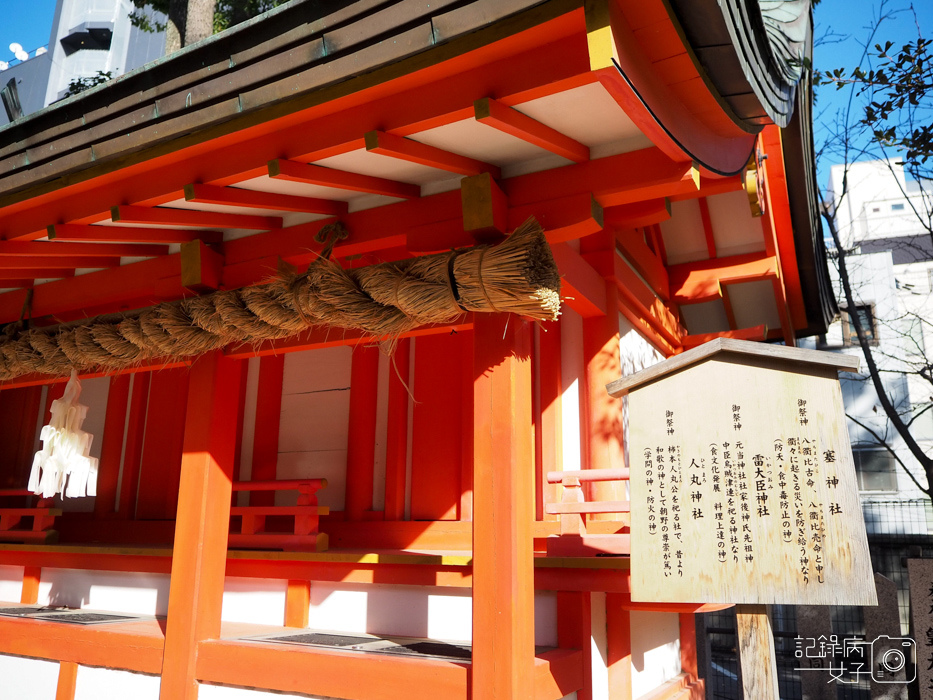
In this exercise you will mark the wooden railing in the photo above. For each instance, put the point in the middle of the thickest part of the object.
(573, 539)
(42, 515)
(306, 514)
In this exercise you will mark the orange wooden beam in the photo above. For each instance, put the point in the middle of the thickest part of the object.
(564, 219)
(201, 267)
(638, 214)
(133, 449)
(485, 207)
(583, 289)
(510, 121)
(167, 216)
(133, 646)
(701, 281)
(710, 187)
(111, 448)
(38, 249)
(330, 673)
(753, 333)
(266, 426)
(199, 554)
(574, 630)
(621, 179)
(27, 276)
(252, 199)
(503, 509)
(645, 262)
(421, 153)
(48, 262)
(310, 174)
(128, 234)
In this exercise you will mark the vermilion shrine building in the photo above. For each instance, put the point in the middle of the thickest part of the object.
(664, 147)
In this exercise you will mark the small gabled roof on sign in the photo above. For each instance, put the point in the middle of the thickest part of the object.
(765, 351)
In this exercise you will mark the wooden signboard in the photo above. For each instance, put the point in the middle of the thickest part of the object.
(742, 484)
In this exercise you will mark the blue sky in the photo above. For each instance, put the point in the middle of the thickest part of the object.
(26, 22)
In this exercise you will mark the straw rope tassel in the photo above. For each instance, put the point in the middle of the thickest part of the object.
(518, 276)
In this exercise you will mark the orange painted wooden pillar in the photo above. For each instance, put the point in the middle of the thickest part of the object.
(297, 603)
(548, 429)
(30, 592)
(67, 679)
(619, 647)
(199, 556)
(688, 644)
(397, 431)
(503, 510)
(574, 630)
(361, 436)
(604, 413)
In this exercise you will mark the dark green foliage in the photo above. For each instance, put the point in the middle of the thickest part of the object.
(81, 84)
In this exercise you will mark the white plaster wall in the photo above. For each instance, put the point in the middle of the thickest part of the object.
(412, 611)
(254, 600)
(314, 420)
(655, 650)
(572, 376)
(107, 684)
(11, 583)
(226, 692)
(114, 591)
(27, 679)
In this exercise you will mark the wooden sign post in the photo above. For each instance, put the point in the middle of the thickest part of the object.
(743, 486)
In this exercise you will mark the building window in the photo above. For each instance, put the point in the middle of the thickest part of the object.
(875, 469)
(866, 317)
(897, 207)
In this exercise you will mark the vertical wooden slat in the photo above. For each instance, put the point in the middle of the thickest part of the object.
(397, 431)
(266, 432)
(548, 437)
(503, 509)
(361, 435)
(31, 577)
(466, 427)
(436, 433)
(199, 555)
(619, 647)
(574, 611)
(161, 459)
(297, 603)
(67, 679)
(604, 413)
(132, 452)
(111, 446)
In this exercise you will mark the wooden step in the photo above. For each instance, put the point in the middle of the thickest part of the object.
(280, 540)
(30, 536)
(280, 510)
(594, 507)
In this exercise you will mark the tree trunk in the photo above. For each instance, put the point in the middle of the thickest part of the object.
(188, 21)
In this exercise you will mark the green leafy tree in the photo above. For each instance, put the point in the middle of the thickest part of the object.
(888, 116)
(188, 21)
(81, 84)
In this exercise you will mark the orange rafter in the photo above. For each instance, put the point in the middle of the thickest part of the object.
(134, 234)
(423, 154)
(583, 288)
(702, 281)
(710, 187)
(25, 262)
(645, 262)
(311, 174)
(639, 214)
(614, 180)
(707, 227)
(510, 121)
(563, 219)
(33, 273)
(251, 199)
(79, 250)
(129, 214)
